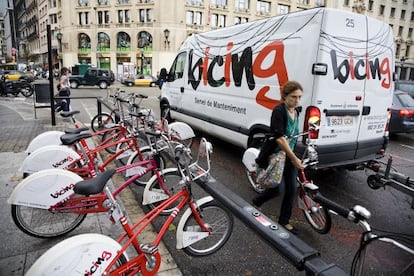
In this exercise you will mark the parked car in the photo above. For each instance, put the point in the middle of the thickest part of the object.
(402, 113)
(17, 75)
(141, 80)
(93, 76)
(406, 86)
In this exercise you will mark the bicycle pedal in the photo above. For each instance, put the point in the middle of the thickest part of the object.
(149, 248)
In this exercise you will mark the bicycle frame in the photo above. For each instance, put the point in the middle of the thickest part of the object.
(90, 155)
(184, 197)
(95, 203)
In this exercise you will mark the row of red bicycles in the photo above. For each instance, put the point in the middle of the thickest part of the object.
(67, 176)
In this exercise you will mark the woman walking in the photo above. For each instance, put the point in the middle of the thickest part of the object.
(284, 122)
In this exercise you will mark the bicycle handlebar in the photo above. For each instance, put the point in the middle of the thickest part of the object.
(331, 205)
(356, 214)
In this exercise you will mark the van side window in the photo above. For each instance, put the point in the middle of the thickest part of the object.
(177, 69)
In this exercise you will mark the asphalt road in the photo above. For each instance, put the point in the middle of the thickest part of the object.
(246, 253)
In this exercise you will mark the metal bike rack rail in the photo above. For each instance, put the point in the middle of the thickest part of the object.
(296, 251)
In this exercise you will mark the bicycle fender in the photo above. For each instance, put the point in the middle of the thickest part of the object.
(249, 158)
(44, 139)
(48, 157)
(44, 188)
(182, 129)
(186, 238)
(82, 254)
(135, 153)
(148, 196)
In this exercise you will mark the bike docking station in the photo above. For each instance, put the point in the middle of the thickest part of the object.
(390, 177)
(296, 251)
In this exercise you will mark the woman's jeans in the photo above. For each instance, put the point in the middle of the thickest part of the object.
(288, 186)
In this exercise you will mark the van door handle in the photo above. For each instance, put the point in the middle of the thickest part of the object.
(182, 89)
(366, 110)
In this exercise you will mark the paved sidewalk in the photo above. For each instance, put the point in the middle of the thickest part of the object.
(19, 251)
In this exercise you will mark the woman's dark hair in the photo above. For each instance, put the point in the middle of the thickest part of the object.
(290, 87)
(64, 70)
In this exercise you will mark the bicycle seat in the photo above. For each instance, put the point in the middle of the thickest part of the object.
(66, 114)
(69, 139)
(94, 185)
(75, 130)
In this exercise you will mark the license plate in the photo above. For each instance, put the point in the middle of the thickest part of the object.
(340, 121)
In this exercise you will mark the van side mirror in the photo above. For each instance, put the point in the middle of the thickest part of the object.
(163, 74)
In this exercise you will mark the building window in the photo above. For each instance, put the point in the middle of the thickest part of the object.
(400, 30)
(149, 15)
(242, 5)
(392, 14)
(106, 13)
(263, 7)
(194, 18)
(123, 1)
(195, 2)
(240, 20)
(381, 9)
(412, 16)
(222, 20)
(83, 2)
(346, 3)
(103, 2)
(370, 5)
(100, 17)
(120, 16)
(306, 2)
(83, 18)
(282, 9)
(189, 18)
(218, 20)
(410, 34)
(145, 15)
(219, 3)
(320, 3)
(407, 50)
(127, 16)
(402, 15)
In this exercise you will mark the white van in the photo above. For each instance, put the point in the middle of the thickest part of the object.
(227, 81)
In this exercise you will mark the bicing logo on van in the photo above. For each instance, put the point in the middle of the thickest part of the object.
(270, 63)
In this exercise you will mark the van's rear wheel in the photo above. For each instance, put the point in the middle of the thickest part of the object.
(255, 143)
(165, 112)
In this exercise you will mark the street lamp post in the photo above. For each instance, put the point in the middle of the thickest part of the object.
(15, 46)
(59, 37)
(142, 60)
(166, 36)
(402, 73)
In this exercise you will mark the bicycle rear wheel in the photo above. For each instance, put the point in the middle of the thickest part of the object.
(42, 223)
(100, 121)
(171, 182)
(251, 177)
(316, 215)
(219, 220)
(146, 155)
(116, 136)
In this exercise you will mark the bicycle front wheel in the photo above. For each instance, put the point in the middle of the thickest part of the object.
(317, 216)
(42, 223)
(100, 121)
(219, 220)
(251, 177)
(146, 155)
(168, 187)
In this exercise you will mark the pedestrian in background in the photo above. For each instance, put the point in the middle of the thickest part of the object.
(284, 122)
(65, 88)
